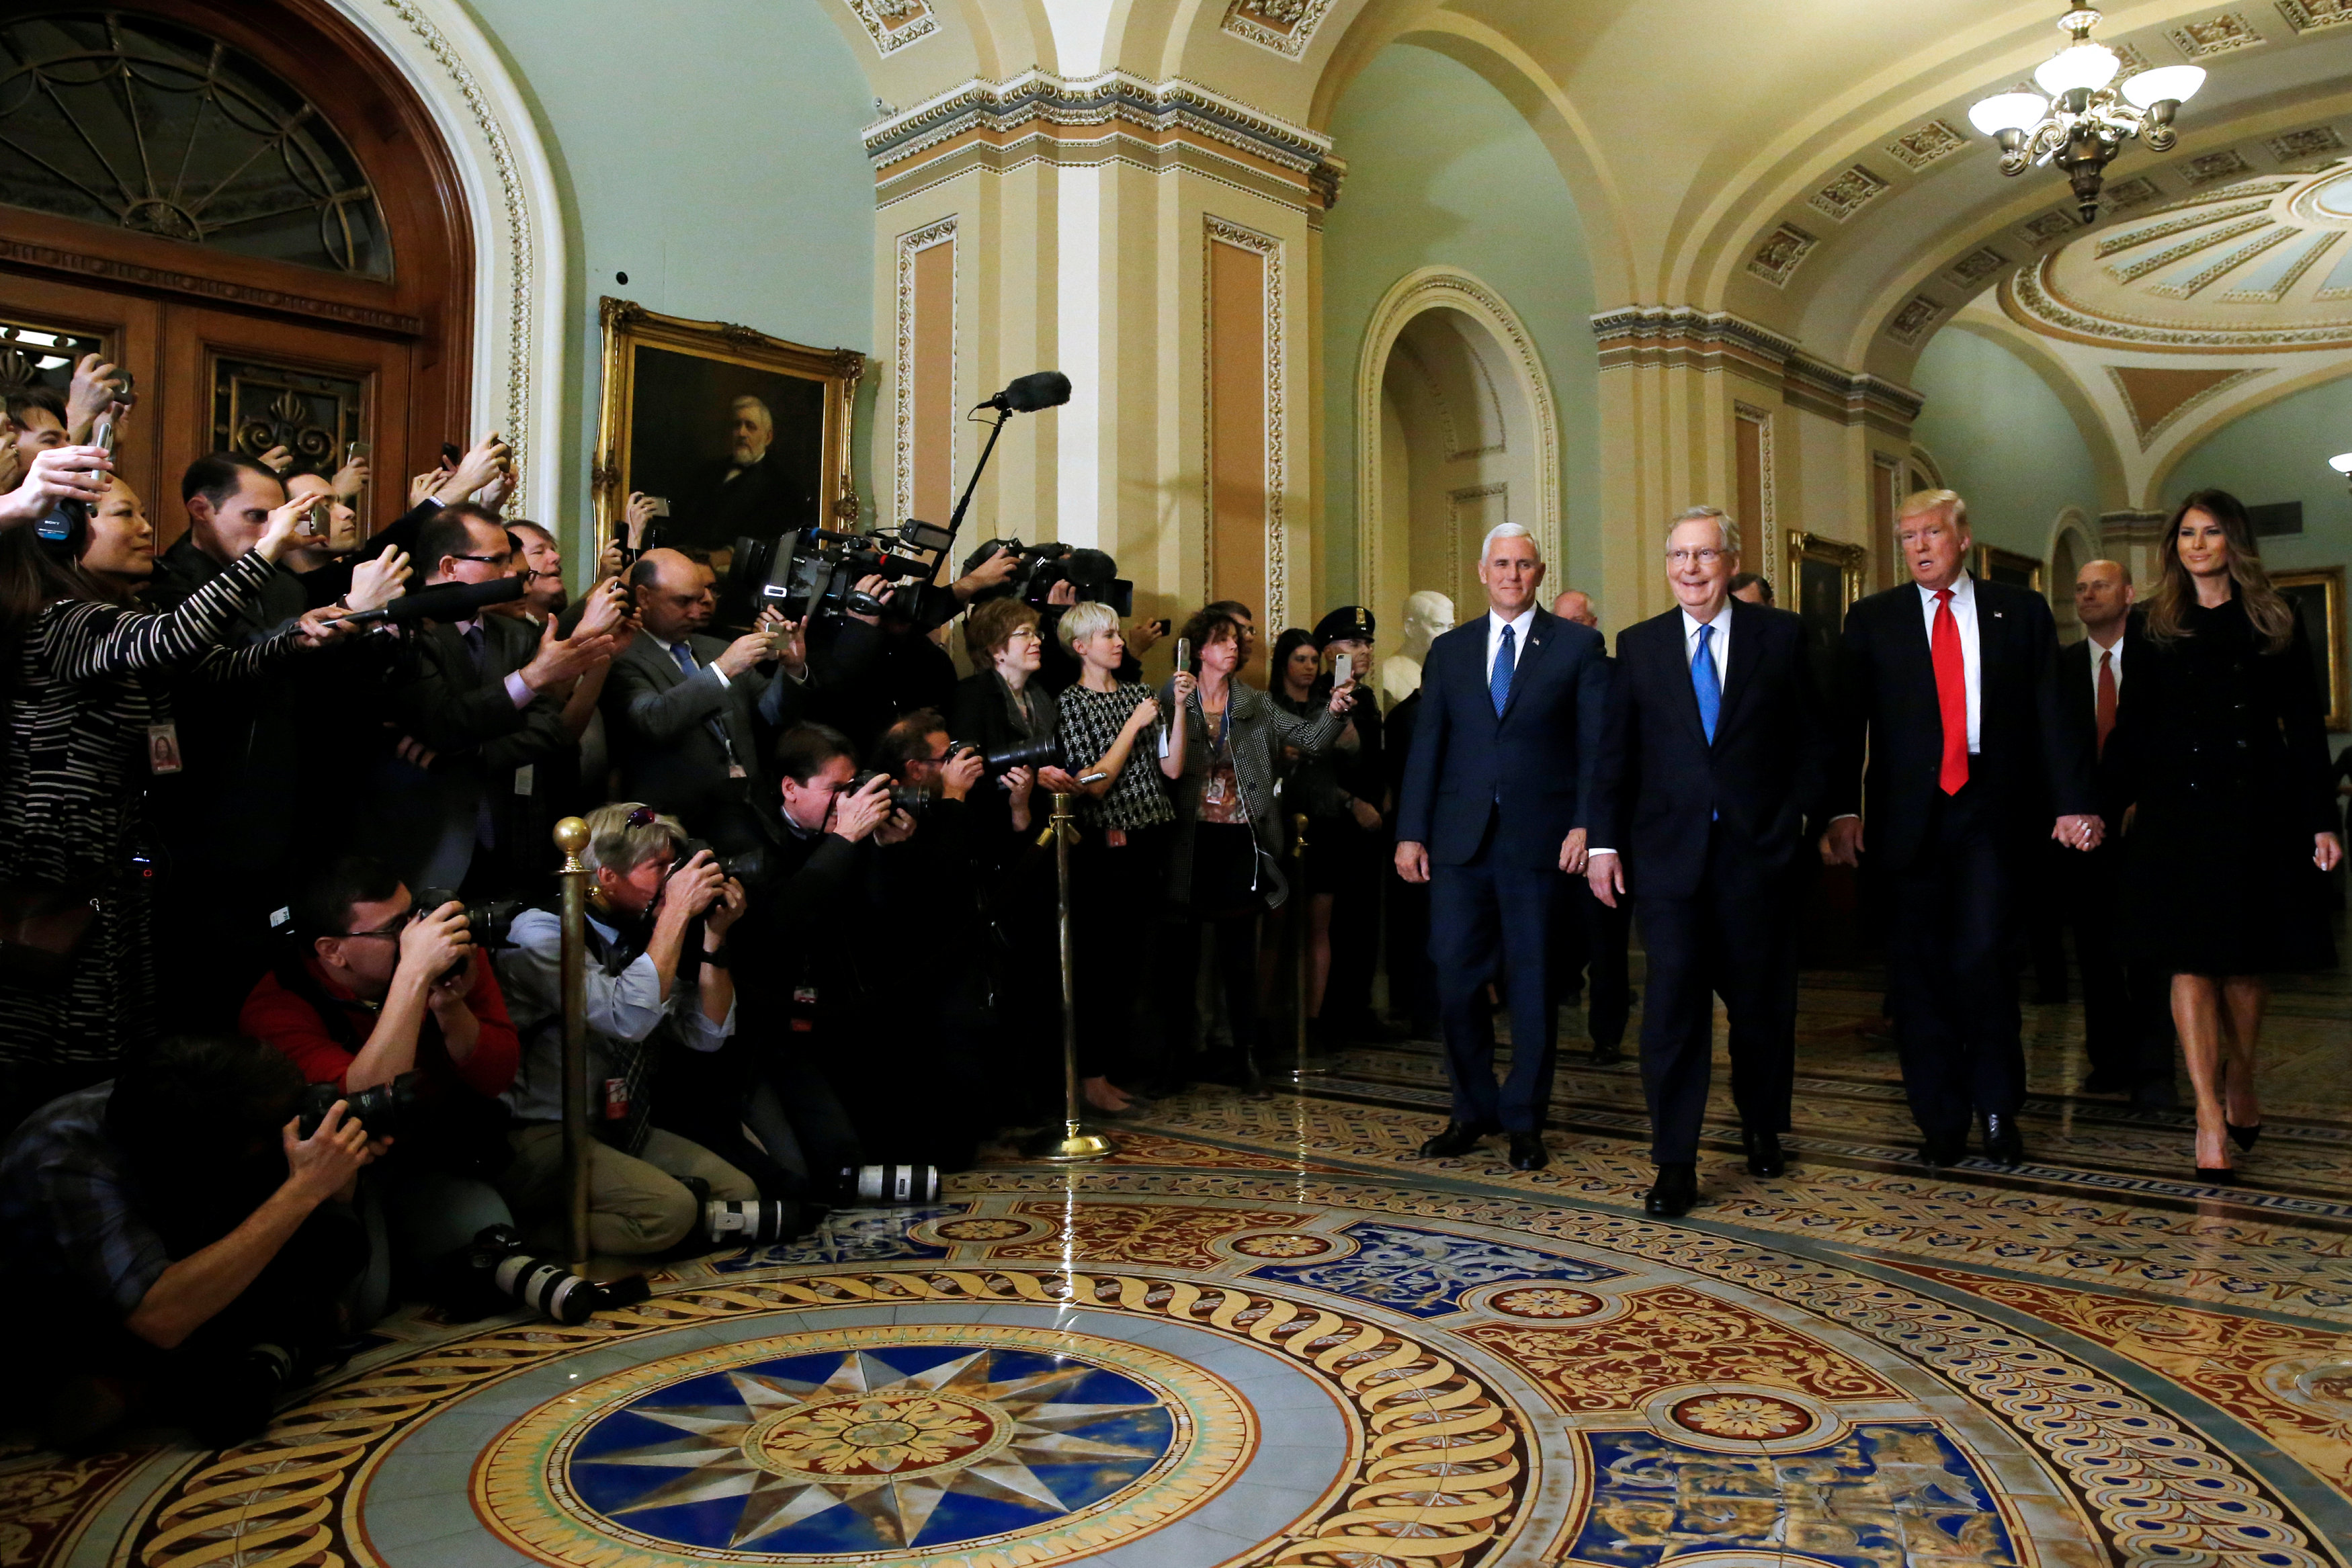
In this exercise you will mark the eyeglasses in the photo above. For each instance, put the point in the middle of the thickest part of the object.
(390, 933)
(1021, 632)
(498, 561)
(1707, 557)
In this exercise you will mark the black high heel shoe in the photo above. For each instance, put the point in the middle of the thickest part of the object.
(2217, 1176)
(2242, 1136)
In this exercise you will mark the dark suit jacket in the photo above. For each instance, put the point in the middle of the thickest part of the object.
(484, 740)
(2030, 764)
(1660, 786)
(2078, 700)
(659, 725)
(1533, 765)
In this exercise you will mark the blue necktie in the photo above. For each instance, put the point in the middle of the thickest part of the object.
(1703, 682)
(684, 657)
(1498, 683)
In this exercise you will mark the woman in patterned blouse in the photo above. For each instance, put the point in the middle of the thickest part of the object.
(90, 721)
(1117, 869)
(1223, 756)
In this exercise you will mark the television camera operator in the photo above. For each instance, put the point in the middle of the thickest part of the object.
(177, 1244)
(374, 993)
(648, 996)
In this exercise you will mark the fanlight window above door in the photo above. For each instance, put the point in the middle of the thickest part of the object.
(127, 120)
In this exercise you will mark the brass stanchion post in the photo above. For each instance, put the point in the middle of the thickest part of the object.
(571, 837)
(1302, 920)
(1073, 1140)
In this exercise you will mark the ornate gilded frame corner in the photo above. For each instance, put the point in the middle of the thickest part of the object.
(2336, 689)
(627, 325)
(1802, 547)
(1993, 564)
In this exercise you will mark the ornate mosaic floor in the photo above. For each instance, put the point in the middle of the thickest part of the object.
(1265, 1335)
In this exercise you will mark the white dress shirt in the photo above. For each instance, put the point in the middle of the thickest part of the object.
(2114, 657)
(1520, 626)
(1964, 614)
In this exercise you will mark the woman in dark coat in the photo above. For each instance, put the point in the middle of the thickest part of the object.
(2219, 752)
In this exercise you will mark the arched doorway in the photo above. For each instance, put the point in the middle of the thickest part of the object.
(1456, 433)
(2073, 545)
(247, 207)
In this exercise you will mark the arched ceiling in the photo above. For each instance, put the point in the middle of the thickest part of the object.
(1805, 165)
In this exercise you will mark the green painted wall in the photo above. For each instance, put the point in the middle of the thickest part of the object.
(2003, 441)
(2280, 454)
(710, 151)
(1443, 171)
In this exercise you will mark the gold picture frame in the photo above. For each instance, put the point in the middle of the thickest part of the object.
(670, 388)
(2317, 594)
(1827, 556)
(1992, 564)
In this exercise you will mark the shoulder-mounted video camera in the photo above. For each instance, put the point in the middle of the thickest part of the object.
(1092, 572)
(814, 574)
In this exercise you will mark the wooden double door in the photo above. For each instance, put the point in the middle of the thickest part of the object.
(218, 381)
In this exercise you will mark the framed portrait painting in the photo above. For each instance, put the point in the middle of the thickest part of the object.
(742, 435)
(1824, 579)
(2317, 595)
(1992, 564)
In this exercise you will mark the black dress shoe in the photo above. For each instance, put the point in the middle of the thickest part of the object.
(1764, 1155)
(1458, 1138)
(1672, 1195)
(1943, 1148)
(1527, 1152)
(2003, 1143)
(1607, 1056)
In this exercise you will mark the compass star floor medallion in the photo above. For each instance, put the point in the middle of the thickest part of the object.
(867, 1445)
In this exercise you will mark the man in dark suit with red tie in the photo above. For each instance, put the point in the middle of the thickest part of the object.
(1949, 686)
(2126, 1009)
(1713, 755)
(1492, 812)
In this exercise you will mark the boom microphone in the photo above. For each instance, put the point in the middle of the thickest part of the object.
(441, 601)
(1027, 394)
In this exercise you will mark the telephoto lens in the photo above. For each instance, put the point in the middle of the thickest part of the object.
(749, 1222)
(862, 1185)
(379, 1108)
(549, 1289)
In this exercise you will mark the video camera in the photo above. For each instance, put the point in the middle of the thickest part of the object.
(380, 1109)
(814, 573)
(1092, 572)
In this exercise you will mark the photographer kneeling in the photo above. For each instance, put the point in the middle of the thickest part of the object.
(382, 990)
(173, 1233)
(647, 995)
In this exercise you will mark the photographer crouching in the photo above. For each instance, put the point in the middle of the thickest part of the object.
(178, 1242)
(386, 996)
(648, 996)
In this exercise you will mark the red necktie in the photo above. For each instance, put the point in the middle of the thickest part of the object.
(2106, 697)
(1952, 694)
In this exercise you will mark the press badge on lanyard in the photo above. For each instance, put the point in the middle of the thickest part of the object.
(617, 1099)
(164, 747)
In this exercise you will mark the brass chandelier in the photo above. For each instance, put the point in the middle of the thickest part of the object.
(2087, 117)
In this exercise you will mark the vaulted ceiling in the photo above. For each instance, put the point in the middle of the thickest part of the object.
(1806, 164)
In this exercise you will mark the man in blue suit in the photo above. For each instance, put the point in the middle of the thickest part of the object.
(1495, 792)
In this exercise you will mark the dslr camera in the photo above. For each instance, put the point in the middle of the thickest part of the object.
(1093, 572)
(912, 798)
(747, 868)
(380, 1109)
(814, 573)
(487, 921)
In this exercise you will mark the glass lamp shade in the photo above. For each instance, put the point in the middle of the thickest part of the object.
(2008, 111)
(2084, 65)
(2179, 83)
(2341, 463)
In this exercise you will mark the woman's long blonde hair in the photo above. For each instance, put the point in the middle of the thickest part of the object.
(2271, 616)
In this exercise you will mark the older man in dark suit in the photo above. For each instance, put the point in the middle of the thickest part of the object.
(1949, 686)
(1495, 792)
(2127, 1014)
(1713, 754)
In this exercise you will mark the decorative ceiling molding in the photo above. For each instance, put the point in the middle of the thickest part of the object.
(2126, 194)
(2026, 296)
(1286, 27)
(2042, 229)
(1911, 323)
(1917, 148)
(2214, 271)
(2313, 16)
(2140, 266)
(1115, 118)
(2280, 288)
(1975, 267)
(894, 23)
(1776, 259)
(2220, 35)
(2157, 397)
(2297, 145)
(1847, 194)
(2125, 239)
(2212, 166)
(1635, 336)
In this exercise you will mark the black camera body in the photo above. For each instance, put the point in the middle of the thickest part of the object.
(489, 922)
(747, 867)
(814, 573)
(380, 1109)
(912, 798)
(1092, 572)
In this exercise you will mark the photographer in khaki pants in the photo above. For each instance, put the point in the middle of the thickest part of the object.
(647, 995)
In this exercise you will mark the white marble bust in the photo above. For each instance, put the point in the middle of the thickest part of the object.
(1428, 614)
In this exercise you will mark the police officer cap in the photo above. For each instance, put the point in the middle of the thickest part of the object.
(1348, 621)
